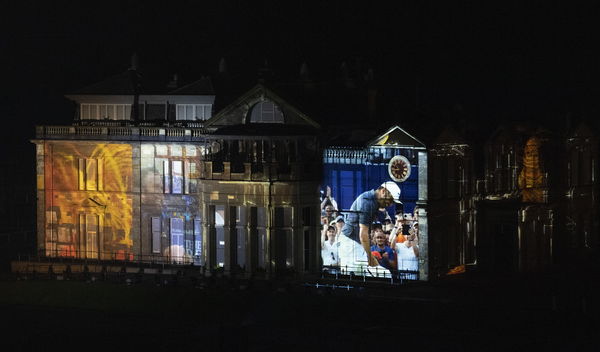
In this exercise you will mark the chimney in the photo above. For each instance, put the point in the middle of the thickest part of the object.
(222, 66)
(135, 79)
(265, 73)
(305, 77)
(134, 62)
(174, 82)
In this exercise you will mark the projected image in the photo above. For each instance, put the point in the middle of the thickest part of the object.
(531, 179)
(88, 210)
(369, 222)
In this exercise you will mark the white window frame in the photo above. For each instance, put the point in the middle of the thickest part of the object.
(90, 174)
(156, 231)
(90, 225)
(193, 112)
(94, 111)
(174, 176)
(259, 113)
(177, 239)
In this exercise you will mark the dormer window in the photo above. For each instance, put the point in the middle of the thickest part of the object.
(193, 111)
(105, 111)
(266, 112)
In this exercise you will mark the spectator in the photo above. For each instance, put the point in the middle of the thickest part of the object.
(383, 253)
(408, 254)
(329, 246)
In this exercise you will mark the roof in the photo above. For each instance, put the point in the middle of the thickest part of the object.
(266, 129)
(124, 83)
(236, 112)
(133, 82)
(203, 86)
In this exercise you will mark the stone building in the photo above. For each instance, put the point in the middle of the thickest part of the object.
(155, 177)
(158, 174)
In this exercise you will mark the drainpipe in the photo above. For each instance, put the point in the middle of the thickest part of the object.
(270, 220)
(140, 205)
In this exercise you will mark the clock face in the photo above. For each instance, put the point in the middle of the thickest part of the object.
(399, 168)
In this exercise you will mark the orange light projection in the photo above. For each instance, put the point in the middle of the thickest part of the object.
(531, 177)
(460, 269)
(88, 202)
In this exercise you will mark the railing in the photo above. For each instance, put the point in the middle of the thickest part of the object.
(105, 123)
(120, 131)
(175, 132)
(197, 133)
(90, 130)
(124, 123)
(344, 156)
(149, 131)
(59, 130)
(407, 272)
(127, 132)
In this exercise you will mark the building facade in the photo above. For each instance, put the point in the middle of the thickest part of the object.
(160, 176)
(233, 191)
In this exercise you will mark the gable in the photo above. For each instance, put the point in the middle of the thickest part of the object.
(396, 137)
(240, 111)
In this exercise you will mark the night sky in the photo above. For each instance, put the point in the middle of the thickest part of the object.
(506, 61)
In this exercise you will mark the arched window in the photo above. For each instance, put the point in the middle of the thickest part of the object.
(266, 112)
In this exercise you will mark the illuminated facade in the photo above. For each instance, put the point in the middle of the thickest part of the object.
(162, 177)
(394, 156)
(234, 191)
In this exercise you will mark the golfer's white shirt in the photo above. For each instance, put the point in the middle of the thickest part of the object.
(353, 258)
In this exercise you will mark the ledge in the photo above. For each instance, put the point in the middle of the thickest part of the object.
(122, 133)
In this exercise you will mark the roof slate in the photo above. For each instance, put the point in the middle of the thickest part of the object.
(124, 83)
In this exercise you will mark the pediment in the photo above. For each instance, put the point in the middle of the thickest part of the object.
(238, 112)
(396, 137)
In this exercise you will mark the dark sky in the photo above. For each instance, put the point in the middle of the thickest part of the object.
(504, 60)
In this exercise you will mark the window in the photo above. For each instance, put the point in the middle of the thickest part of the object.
(177, 252)
(193, 111)
(51, 231)
(90, 174)
(155, 228)
(88, 230)
(258, 227)
(308, 220)
(198, 257)
(105, 111)
(220, 234)
(177, 176)
(241, 230)
(193, 174)
(173, 176)
(266, 112)
(283, 232)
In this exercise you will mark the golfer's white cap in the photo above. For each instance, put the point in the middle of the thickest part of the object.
(393, 188)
